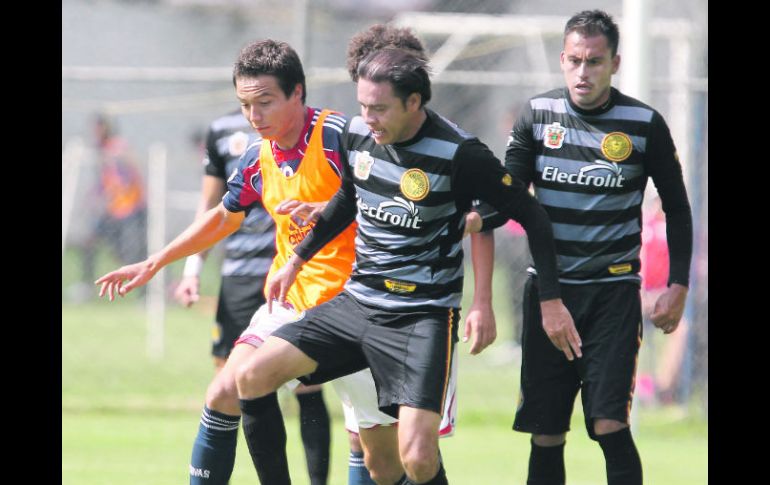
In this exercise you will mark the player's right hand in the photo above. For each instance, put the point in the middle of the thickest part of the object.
(560, 328)
(278, 285)
(186, 292)
(138, 274)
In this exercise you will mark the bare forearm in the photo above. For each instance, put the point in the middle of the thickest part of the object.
(208, 229)
(483, 259)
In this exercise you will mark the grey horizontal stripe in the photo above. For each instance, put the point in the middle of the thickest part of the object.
(434, 147)
(572, 200)
(417, 273)
(575, 232)
(631, 113)
(557, 105)
(246, 267)
(391, 172)
(392, 300)
(568, 264)
(587, 139)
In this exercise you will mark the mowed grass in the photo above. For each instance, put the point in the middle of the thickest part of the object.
(129, 420)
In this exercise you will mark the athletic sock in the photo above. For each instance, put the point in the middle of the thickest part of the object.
(357, 472)
(213, 453)
(546, 465)
(266, 436)
(624, 467)
(316, 435)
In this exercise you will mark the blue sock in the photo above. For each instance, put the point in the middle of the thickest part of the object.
(213, 453)
(357, 472)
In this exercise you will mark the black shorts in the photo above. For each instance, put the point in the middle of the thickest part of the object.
(608, 318)
(409, 353)
(239, 298)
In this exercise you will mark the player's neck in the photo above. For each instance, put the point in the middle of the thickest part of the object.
(289, 140)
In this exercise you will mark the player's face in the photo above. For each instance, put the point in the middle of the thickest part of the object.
(385, 114)
(269, 111)
(588, 66)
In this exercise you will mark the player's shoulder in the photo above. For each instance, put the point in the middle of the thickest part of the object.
(333, 123)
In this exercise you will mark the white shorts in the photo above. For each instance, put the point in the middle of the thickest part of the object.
(356, 391)
(363, 383)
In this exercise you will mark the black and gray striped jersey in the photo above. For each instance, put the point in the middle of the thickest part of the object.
(409, 200)
(249, 251)
(589, 170)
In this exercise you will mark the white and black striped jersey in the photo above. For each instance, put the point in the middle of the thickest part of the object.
(249, 251)
(589, 170)
(409, 200)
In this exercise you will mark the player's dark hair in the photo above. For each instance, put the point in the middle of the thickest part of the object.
(589, 23)
(376, 37)
(272, 58)
(403, 69)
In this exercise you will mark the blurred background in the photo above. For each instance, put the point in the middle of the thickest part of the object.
(141, 81)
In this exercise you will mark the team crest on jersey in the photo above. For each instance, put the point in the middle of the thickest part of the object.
(554, 135)
(415, 184)
(507, 179)
(237, 143)
(616, 146)
(363, 166)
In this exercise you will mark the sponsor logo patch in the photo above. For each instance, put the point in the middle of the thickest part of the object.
(620, 268)
(554, 135)
(415, 184)
(399, 286)
(616, 146)
(363, 165)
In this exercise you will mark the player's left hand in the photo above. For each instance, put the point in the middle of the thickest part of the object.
(480, 327)
(302, 213)
(669, 308)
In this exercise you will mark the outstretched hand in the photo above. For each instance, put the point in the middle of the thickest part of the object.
(137, 274)
(302, 213)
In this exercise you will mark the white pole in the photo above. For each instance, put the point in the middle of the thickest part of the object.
(70, 167)
(634, 42)
(156, 228)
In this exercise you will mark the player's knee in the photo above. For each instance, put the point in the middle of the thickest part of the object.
(383, 468)
(251, 383)
(607, 426)
(222, 394)
(546, 440)
(420, 462)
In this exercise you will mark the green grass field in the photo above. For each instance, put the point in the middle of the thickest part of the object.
(128, 420)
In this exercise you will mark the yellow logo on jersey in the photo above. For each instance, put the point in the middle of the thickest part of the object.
(399, 286)
(616, 146)
(620, 268)
(415, 184)
(507, 179)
